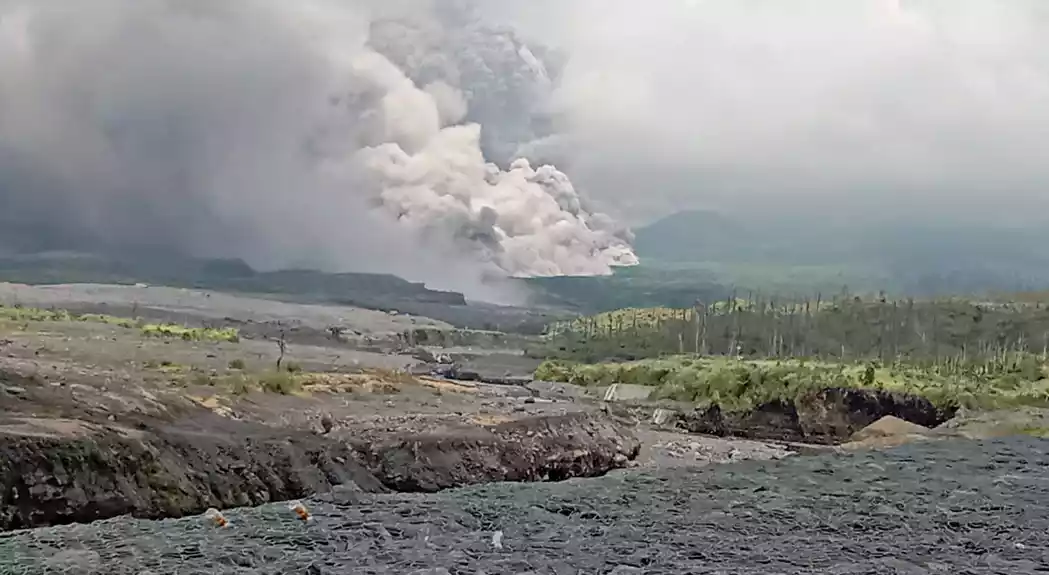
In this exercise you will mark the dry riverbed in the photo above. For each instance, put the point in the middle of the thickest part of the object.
(211, 422)
(100, 419)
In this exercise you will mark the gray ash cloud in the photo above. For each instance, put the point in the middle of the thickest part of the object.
(334, 134)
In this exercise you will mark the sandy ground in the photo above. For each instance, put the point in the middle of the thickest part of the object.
(90, 370)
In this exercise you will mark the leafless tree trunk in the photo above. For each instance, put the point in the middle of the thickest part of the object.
(282, 345)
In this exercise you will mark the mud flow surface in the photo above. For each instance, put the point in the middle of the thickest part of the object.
(946, 507)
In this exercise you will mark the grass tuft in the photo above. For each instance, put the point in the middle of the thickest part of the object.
(184, 333)
(21, 314)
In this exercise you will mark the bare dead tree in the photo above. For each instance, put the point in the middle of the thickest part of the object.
(282, 345)
(696, 308)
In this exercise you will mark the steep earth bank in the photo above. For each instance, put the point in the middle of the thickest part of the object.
(56, 471)
(548, 448)
(825, 417)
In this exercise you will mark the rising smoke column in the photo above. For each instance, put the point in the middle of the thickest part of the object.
(506, 81)
(271, 131)
(428, 172)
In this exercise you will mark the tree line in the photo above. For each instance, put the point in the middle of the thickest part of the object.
(953, 333)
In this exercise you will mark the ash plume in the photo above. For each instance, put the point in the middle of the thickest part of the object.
(323, 133)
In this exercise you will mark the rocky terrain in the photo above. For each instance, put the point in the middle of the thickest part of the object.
(117, 447)
(977, 508)
(99, 420)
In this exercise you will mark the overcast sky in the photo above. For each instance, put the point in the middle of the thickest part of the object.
(943, 105)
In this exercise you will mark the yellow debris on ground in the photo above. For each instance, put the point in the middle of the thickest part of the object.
(216, 517)
(213, 403)
(888, 431)
(300, 510)
(375, 381)
(445, 385)
(487, 419)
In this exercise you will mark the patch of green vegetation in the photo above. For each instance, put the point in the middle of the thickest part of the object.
(24, 314)
(741, 385)
(184, 333)
(108, 319)
(237, 364)
(842, 327)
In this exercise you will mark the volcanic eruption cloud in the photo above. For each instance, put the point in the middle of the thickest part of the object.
(327, 133)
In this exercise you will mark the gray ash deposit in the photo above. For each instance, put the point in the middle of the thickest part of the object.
(948, 507)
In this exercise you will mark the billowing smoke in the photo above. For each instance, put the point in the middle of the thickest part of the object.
(507, 81)
(328, 133)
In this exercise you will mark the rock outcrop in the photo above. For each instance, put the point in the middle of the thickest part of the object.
(531, 449)
(827, 416)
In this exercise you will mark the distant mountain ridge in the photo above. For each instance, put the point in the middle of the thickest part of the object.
(918, 257)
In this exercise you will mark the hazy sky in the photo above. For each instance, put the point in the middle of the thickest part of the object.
(301, 132)
(943, 105)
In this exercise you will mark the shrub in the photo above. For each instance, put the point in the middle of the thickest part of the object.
(735, 384)
(279, 382)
